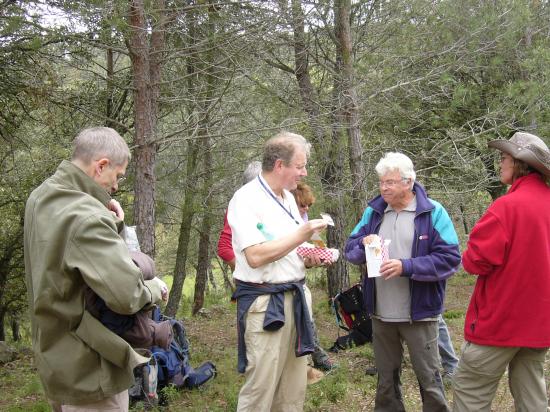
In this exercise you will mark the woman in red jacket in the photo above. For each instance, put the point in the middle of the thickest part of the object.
(508, 319)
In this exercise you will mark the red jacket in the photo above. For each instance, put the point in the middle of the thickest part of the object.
(509, 248)
(225, 247)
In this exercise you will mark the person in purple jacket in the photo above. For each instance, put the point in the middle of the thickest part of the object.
(406, 300)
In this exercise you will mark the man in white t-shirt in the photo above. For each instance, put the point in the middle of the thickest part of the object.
(274, 305)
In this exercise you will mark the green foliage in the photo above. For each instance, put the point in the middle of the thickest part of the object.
(40, 406)
(170, 393)
(454, 314)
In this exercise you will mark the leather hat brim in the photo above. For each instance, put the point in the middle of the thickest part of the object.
(520, 153)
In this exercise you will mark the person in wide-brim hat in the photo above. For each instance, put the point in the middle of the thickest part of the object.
(508, 252)
(529, 150)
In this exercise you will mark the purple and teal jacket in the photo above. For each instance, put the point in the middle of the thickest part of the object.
(435, 254)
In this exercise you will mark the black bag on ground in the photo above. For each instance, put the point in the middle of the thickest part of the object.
(352, 317)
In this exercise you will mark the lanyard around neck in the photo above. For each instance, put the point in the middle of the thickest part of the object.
(268, 190)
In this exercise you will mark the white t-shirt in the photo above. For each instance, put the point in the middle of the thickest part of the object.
(253, 204)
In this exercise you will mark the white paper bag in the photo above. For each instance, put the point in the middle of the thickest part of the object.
(129, 235)
(376, 253)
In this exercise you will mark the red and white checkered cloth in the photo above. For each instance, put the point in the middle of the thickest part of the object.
(324, 253)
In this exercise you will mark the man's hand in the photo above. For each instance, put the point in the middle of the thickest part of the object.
(313, 226)
(391, 268)
(313, 261)
(163, 288)
(115, 207)
(367, 240)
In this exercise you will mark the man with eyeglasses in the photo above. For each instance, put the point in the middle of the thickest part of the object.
(72, 243)
(406, 300)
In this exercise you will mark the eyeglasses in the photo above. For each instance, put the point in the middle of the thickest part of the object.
(120, 179)
(306, 205)
(391, 183)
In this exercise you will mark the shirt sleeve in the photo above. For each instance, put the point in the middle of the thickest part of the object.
(487, 246)
(354, 250)
(225, 247)
(443, 259)
(243, 221)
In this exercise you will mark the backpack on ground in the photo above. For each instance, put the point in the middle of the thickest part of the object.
(352, 317)
(169, 366)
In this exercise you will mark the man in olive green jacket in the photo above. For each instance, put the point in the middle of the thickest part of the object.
(72, 241)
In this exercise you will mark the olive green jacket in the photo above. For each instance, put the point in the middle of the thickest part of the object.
(72, 240)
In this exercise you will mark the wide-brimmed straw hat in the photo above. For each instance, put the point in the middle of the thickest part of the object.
(528, 148)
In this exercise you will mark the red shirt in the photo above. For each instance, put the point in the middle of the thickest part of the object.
(225, 247)
(509, 248)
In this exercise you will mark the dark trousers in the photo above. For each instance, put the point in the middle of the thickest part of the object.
(421, 340)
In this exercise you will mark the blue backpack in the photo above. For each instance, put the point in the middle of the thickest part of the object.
(173, 363)
(169, 366)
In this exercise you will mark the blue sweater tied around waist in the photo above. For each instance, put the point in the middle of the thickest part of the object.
(246, 293)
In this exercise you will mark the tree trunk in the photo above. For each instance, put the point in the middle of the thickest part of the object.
(204, 262)
(463, 217)
(189, 208)
(15, 329)
(203, 266)
(333, 184)
(8, 253)
(348, 107)
(146, 54)
(2, 328)
(109, 110)
(226, 272)
(212, 279)
(187, 215)
(332, 172)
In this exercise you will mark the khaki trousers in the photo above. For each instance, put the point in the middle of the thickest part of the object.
(118, 403)
(479, 372)
(275, 378)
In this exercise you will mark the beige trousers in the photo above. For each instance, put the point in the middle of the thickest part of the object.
(275, 378)
(118, 403)
(479, 372)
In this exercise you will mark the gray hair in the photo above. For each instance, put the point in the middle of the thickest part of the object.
(283, 146)
(252, 170)
(394, 161)
(98, 142)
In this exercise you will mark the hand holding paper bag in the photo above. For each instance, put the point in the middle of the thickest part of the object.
(376, 252)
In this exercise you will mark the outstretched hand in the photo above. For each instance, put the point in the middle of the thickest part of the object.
(313, 226)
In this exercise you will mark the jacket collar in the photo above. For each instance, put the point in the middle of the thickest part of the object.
(422, 202)
(528, 180)
(71, 175)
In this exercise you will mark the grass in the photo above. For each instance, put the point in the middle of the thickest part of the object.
(213, 337)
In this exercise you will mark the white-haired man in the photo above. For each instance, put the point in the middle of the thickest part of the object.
(273, 303)
(406, 300)
(72, 242)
